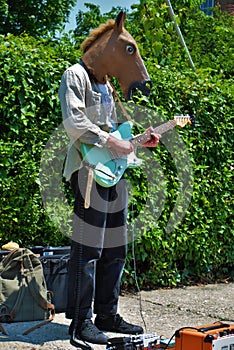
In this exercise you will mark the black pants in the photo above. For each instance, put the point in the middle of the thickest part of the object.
(98, 249)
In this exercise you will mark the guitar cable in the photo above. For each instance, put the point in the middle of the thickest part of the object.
(133, 229)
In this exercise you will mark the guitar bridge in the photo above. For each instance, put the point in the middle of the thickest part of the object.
(109, 175)
(94, 167)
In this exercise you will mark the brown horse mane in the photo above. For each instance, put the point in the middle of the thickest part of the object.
(97, 33)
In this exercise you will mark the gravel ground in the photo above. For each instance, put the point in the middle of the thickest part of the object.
(164, 311)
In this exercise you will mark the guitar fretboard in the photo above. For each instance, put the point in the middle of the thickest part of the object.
(142, 138)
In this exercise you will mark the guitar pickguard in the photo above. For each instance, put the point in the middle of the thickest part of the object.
(107, 169)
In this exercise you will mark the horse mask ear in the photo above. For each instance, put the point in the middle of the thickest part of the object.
(119, 21)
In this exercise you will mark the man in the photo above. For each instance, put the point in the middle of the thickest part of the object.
(99, 240)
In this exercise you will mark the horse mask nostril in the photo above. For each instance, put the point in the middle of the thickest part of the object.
(144, 87)
(148, 84)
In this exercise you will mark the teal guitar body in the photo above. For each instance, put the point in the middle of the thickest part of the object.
(109, 168)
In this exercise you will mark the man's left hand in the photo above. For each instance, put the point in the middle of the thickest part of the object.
(153, 142)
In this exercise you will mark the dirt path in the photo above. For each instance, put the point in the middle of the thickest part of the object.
(164, 311)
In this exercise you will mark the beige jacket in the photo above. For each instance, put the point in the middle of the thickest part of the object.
(84, 115)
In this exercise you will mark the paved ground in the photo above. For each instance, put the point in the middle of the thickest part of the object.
(164, 311)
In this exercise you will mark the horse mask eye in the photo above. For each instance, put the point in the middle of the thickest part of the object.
(130, 49)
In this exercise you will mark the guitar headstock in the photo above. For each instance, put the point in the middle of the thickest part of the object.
(183, 120)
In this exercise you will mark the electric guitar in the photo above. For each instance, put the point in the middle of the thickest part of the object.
(108, 166)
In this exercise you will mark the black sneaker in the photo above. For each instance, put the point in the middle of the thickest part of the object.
(115, 323)
(87, 331)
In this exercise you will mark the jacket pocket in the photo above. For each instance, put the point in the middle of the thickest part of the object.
(94, 106)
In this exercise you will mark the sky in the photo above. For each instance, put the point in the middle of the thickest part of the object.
(105, 6)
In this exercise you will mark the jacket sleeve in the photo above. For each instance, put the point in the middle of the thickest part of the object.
(77, 117)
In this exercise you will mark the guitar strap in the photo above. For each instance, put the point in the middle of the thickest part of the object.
(127, 115)
(88, 188)
(121, 104)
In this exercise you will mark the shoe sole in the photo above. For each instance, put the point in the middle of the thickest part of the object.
(88, 340)
(96, 342)
(78, 343)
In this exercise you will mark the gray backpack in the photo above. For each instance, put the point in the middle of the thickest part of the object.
(23, 292)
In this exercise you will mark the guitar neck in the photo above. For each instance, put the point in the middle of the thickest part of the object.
(161, 129)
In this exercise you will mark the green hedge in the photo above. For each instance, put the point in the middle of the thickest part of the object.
(30, 72)
(201, 246)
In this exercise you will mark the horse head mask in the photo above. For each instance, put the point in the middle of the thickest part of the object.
(110, 51)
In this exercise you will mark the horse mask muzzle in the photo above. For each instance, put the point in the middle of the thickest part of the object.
(145, 87)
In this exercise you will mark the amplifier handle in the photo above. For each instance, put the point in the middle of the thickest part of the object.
(205, 329)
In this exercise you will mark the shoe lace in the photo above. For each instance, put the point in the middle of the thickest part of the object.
(91, 327)
(119, 320)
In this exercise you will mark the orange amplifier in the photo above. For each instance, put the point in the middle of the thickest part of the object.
(216, 336)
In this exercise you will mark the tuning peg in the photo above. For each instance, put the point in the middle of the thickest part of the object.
(192, 118)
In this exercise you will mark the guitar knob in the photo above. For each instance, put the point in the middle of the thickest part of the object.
(120, 167)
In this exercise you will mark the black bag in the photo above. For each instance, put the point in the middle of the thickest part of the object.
(55, 269)
(3, 254)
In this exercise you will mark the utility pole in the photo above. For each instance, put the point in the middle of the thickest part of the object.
(173, 17)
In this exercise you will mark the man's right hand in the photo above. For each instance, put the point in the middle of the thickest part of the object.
(121, 147)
